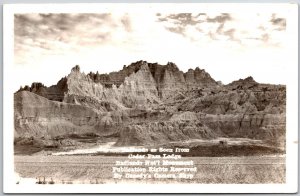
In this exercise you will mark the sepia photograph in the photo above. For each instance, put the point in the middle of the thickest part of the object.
(151, 95)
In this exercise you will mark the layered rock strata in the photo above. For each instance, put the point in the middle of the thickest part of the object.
(147, 103)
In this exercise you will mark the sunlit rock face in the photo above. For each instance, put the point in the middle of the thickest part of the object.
(148, 103)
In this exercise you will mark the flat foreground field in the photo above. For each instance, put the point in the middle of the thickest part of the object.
(98, 169)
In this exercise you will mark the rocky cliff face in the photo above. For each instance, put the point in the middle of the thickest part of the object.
(167, 78)
(55, 92)
(36, 116)
(147, 103)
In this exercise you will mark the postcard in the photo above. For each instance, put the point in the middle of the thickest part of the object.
(150, 98)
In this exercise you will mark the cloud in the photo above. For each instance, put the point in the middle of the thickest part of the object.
(64, 28)
(54, 33)
(184, 19)
(225, 26)
(36, 24)
(178, 23)
(126, 23)
(230, 34)
(212, 35)
(179, 30)
(271, 32)
(220, 19)
(278, 22)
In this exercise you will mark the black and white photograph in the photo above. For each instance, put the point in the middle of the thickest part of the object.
(151, 95)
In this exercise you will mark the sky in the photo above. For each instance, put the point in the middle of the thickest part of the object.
(229, 46)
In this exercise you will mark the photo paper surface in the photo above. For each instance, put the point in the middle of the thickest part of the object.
(150, 98)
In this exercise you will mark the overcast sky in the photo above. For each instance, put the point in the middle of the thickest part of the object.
(229, 46)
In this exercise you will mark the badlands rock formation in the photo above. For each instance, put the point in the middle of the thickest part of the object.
(149, 104)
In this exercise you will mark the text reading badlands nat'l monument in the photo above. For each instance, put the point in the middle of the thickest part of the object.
(151, 105)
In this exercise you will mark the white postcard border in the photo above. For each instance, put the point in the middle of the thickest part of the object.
(291, 185)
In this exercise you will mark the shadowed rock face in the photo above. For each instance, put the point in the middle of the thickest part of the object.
(55, 92)
(168, 78)
(147, 103)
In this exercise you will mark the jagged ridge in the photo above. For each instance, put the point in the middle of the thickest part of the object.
(168, 78)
